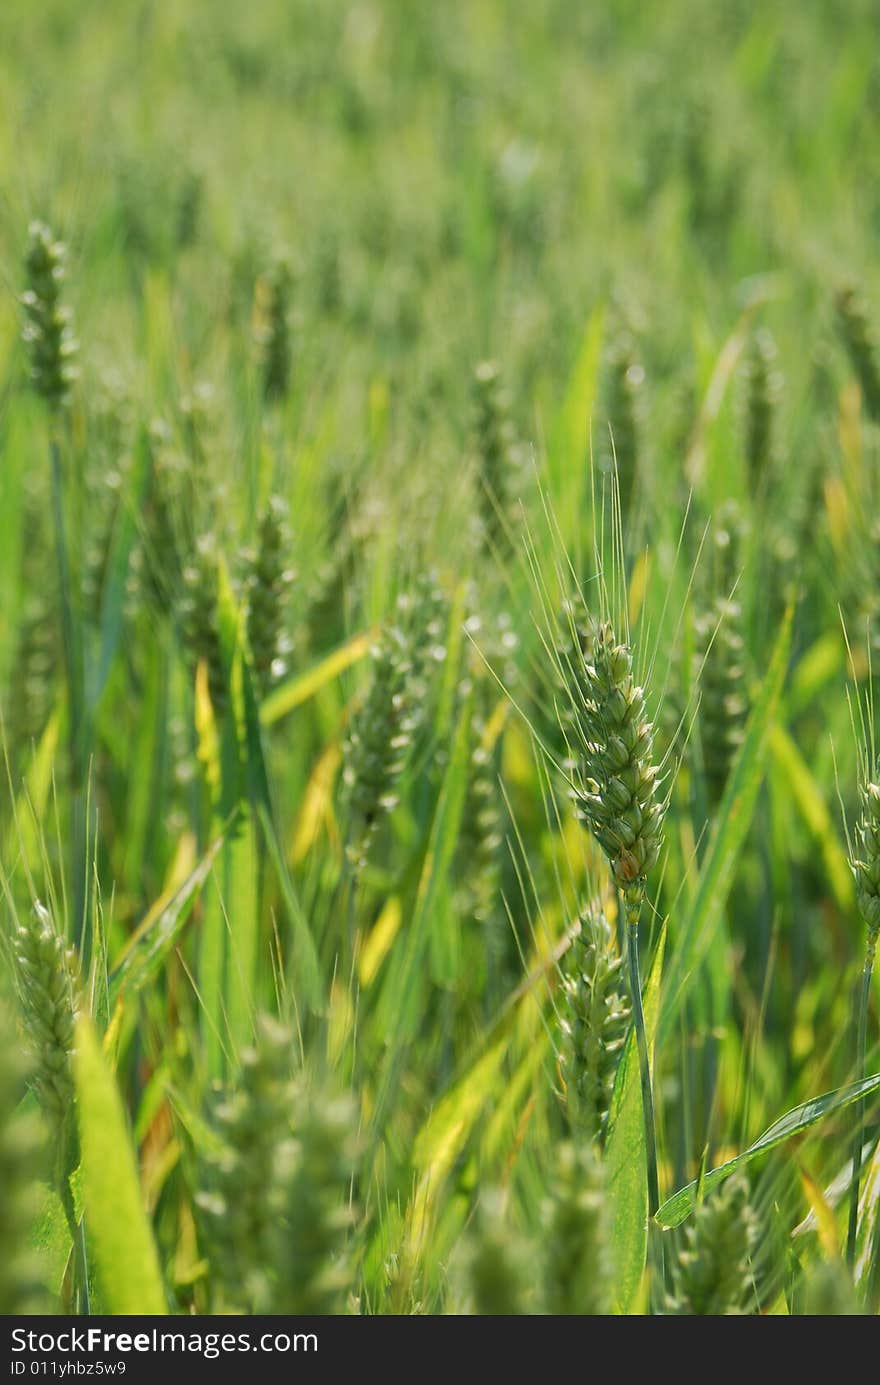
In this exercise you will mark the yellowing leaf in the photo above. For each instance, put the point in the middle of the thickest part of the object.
(317, 803)
(815, 813)
(299, 690)
(381, 936)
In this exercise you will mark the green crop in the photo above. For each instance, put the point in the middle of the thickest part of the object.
(440, 825)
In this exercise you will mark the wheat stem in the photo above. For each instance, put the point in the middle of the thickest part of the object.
(633, 904)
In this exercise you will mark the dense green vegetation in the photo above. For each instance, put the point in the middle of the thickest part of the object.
(438, 469)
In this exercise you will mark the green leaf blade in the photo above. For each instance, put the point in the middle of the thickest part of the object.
(676, 1208)
(118, 1230)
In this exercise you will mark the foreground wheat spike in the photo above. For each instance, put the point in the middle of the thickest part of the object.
(594, 1016)
(21, 1146)
(720, 661)
(763, 384)
(497, 1260)
(244, 1198)
(274, 336)
(201, 581)
(616, 780)
(48, 330)
(713, 1272)
(577, 1269)
(495, 449)
(316, 1271)
(616, 794)
(865, 864)
(268, 582)
(378, 743)
(48, 986)
(861, 346)
(624, 381)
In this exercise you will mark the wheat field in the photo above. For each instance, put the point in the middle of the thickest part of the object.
(440, 828)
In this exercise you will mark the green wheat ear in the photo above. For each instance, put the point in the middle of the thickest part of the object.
(497, 1260)
(244, 1184)
(866, 859)
(763, 390)
(481, 831)
(713, 1272)
(201, 586)
(719, 671)
(577, 1270)
(274, 336)
(48, 330)
(594, 1016)
(21, 1149)
(861, 346)
(616, 781)
(496, 452)
(378, 744)
(268, 581)
(166, 524)
(615, 787)
(316, 1270)
(47, 974)
(38, 653)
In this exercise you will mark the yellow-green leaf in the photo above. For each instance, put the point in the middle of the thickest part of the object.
(119, 1234)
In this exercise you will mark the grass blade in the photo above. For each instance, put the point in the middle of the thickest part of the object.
(681, 1204)
(625, 1167)
(118, 1230)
